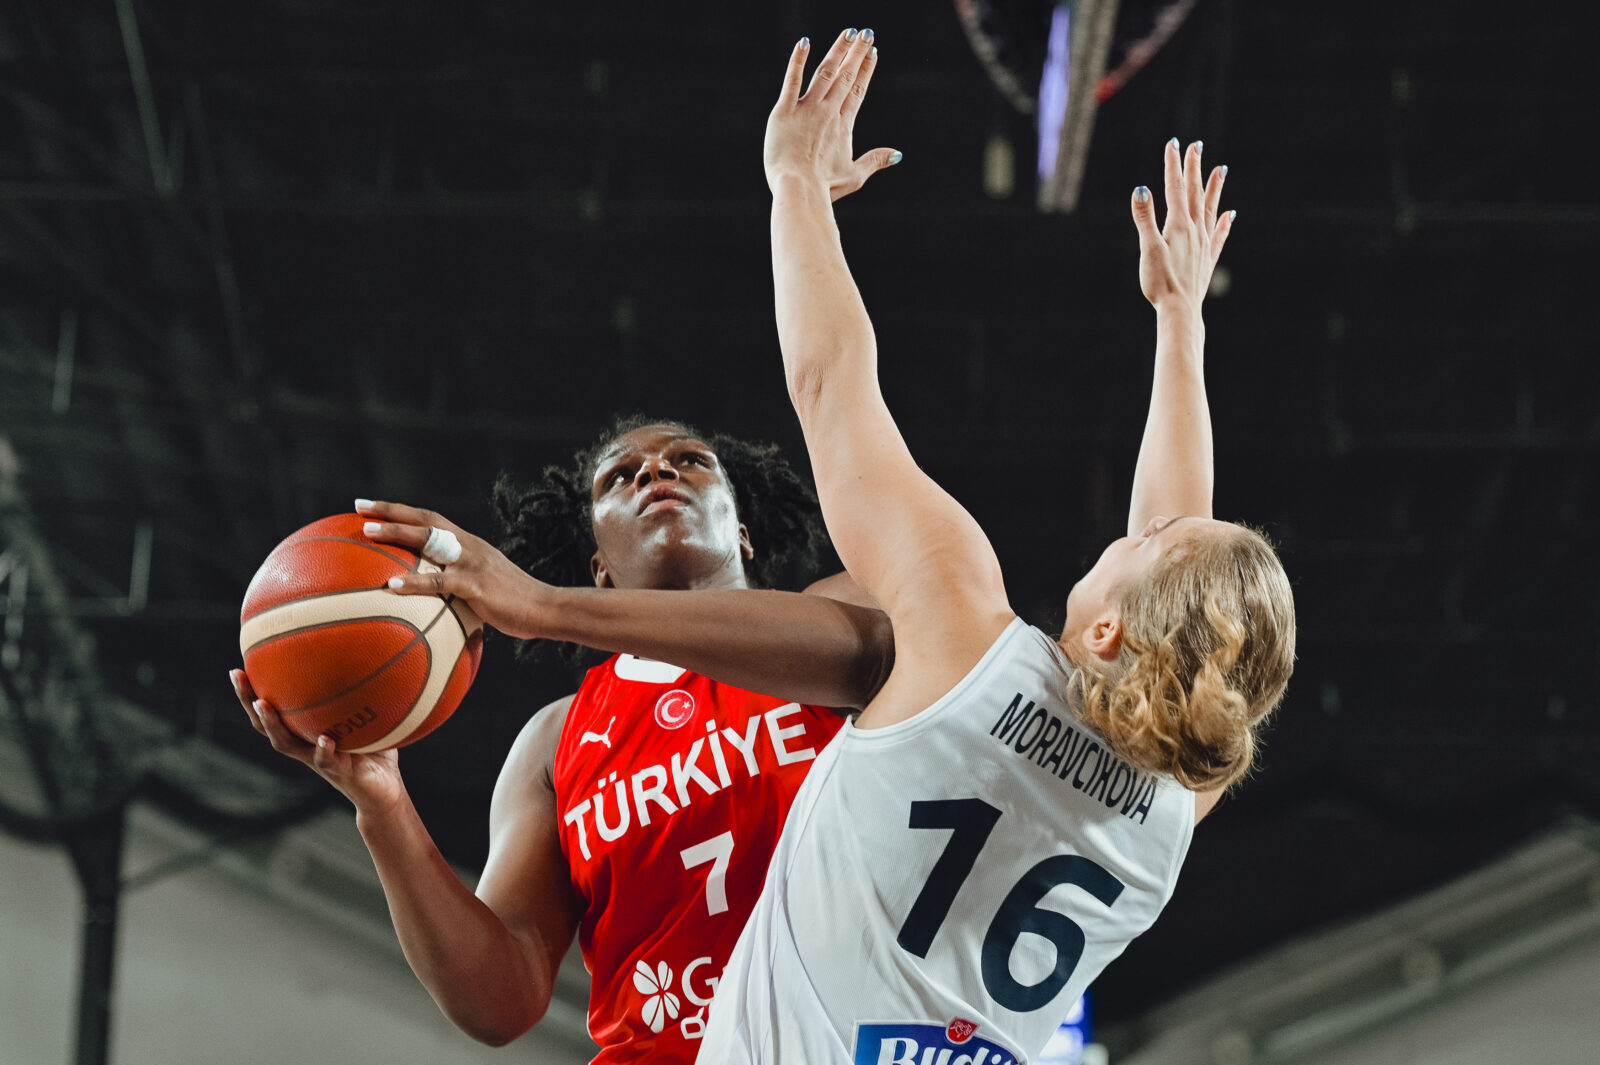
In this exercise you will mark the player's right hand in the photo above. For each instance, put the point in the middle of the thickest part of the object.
(499, 591)
(809, 135)
(370, 781)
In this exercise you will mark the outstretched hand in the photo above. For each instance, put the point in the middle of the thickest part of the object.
(1176, 261)
(809, 135)
(497, 589)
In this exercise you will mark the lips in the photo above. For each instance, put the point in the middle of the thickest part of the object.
(661, 493)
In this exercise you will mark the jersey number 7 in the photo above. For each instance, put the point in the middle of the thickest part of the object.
(971, 821)
(717, 850)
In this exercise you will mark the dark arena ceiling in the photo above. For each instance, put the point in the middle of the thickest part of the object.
(257, 259)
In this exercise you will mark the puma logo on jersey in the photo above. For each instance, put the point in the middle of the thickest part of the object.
(599, 737)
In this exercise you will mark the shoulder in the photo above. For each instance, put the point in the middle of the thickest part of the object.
(929, 667)
(531, 762)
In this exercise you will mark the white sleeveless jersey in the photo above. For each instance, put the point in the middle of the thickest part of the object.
(946, 887)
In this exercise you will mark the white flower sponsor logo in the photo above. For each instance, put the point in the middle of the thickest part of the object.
(660, 1004)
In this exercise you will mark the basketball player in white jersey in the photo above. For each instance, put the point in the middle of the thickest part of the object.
(1010, 809)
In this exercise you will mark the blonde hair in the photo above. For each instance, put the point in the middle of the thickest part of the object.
(1208, 639)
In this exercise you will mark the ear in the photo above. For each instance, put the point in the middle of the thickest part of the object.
(745, 550)
(597, 570)
(1104, 637)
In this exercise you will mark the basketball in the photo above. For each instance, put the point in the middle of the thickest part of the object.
(338, 654)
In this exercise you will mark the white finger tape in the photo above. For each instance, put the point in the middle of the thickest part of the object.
(442, 547)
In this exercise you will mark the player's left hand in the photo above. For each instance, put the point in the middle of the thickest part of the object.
(497, 590)
(1177, 260)
(810, 135)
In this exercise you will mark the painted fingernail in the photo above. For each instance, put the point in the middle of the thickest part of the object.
(1141, 195)
(850, 35)
(1199, 146)
(260, 706)
(363, 504)
(397, 582)
(874, 52)
(1223, 170)
(866, 35)
(1173, 143)
(371, 528)
(895, 157)
(805, 42)
(324, 742)
(1231, 216)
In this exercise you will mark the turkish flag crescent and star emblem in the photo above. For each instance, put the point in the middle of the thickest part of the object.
(960, 1031)
(674, 709)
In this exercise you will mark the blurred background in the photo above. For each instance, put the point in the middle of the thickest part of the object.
(260, 258)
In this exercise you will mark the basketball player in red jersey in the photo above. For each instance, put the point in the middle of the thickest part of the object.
(640, 812)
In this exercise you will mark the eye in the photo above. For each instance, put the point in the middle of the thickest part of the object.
(615, 476)
(694, 458)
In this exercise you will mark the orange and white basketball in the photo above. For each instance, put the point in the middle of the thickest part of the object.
(338, 654)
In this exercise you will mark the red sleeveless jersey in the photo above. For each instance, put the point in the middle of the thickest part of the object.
(671, 790)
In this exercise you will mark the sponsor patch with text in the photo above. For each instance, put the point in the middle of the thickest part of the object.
(910, 1043)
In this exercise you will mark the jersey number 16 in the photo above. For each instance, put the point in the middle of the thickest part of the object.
(971, 821)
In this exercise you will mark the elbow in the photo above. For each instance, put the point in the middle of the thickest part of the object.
(498, 1037)
(497, 1031)
(806, 379)
(498, 1023)
(831, 364)
(494, 1037)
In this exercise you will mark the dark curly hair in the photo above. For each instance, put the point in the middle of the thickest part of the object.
(547, 527)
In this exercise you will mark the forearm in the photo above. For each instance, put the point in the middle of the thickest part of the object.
(823, 327)
(471, 964)
(1175, 473)
(807, 648)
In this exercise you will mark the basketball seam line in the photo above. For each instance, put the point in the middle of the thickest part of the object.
(314, 596)
(421, 635)
(450, 602)
(368, 544)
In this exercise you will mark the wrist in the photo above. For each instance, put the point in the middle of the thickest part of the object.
(1181, 309)
(377, 817)
(797, 183)
(523, 606)
(559, 609)
(1180, 332)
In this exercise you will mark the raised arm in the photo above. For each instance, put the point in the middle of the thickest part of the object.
(909, 545)
(1174, 474)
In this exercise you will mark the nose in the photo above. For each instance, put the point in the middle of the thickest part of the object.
(656, 468)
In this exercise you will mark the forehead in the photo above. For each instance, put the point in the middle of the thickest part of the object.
(647, 438)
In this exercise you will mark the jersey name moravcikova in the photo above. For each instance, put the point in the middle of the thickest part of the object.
(947, 886)
(671, 790)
